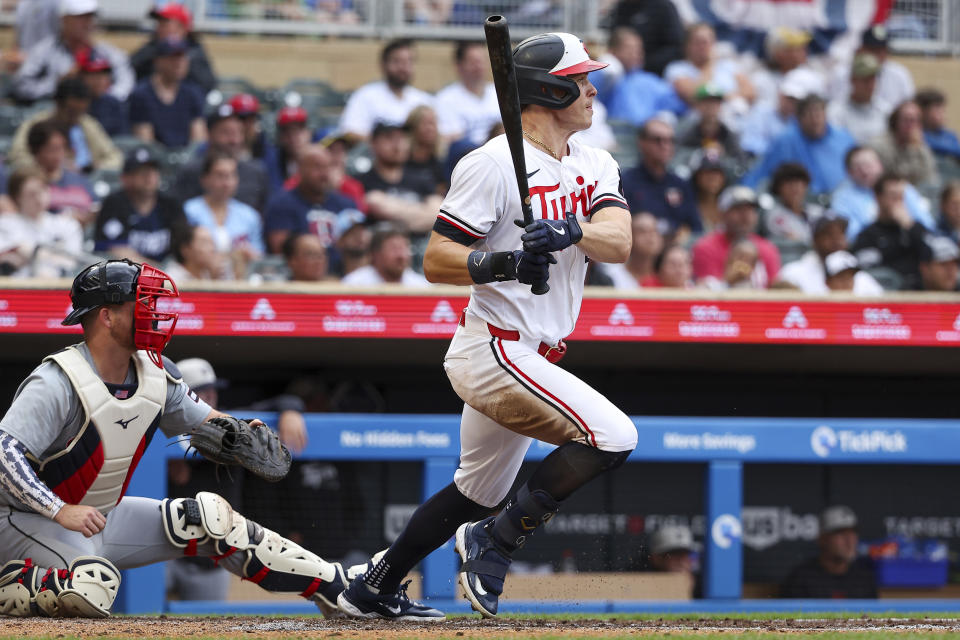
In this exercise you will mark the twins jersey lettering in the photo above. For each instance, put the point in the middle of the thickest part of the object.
(483, 203)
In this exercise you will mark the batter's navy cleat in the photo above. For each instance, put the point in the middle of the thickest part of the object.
(484, 566)
(358, 601)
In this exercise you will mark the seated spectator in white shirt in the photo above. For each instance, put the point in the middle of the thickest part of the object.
(468, 108)
(390, 259)
(639, 270)
(32, 227)
(939, 265)
(194, 256)
(860, 113)
(306, 258)
(894, 83)
(786, 50)
(394, 192)
(808, 273)
(701, 66)
(841, 268)
(389, 100)
(767, 120)
(791, 218)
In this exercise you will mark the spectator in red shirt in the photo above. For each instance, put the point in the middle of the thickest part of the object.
(738, 206)
(673, 268)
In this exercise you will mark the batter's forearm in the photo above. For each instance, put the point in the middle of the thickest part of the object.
(445, 261)
(20, 481)
(607, 240)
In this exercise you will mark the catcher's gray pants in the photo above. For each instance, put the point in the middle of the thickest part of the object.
(132, 537)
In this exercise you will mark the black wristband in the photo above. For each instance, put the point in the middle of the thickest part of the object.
(488, 266)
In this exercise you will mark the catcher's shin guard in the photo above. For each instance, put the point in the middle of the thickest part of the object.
(19, 584)
(90, 588)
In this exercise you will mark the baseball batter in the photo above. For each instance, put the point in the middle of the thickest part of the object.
(501, 361)
(72, 439)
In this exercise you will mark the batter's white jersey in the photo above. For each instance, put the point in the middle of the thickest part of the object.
(483, 203)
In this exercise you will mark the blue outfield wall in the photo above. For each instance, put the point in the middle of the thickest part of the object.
(723, 444)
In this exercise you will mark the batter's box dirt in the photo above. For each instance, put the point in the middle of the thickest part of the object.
(457, 628)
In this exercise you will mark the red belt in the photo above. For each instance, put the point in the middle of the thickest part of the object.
(553, 354)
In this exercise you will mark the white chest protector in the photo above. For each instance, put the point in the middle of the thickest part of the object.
(96, 464)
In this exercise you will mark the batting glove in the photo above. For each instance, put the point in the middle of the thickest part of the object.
(544, 236)
(532, 268)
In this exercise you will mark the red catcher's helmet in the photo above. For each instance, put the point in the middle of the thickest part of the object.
(543, 63)
(119, 281)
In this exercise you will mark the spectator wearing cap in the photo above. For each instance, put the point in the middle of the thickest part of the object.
(390, 100)
(894, 82)
(841, 268)
(791, 217)
(672, 550)
(97, 74)
(701, 66)
(811, 141)
(136, 220)
(785, 49)
(225, 135)
(703, 128)
(236, 227)
(32, 226)
(292, 137)
(638, 271)
(638, 95)
(424, 163)
(904, 150)
(339, 146)
(70, 192)
(165, 108)
(894, 240)
(353, 245)
(247, 108)
(91, 146)
(950, 211)
(855, 199)
(393, 192)
(860, 113)
(194, 256)
(834, 572)
(809, 273)
(306, 258)
(709, 179)
(468, 108)
(933, 111)
(940, 265)
(55, 56)
(390, 258)
(310, 207)
(652, 186)
(173, 20)
(767, 120)
(710, 254)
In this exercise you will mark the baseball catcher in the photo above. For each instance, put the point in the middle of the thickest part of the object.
(72, 439)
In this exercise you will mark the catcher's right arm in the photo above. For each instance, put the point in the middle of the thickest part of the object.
(250, 444)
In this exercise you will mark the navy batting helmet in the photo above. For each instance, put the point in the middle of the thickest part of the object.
(543, 63)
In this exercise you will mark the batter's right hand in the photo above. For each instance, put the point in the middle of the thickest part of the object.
(532, 268)
(80, 517)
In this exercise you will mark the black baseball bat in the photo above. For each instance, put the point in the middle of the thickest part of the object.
(505, 81)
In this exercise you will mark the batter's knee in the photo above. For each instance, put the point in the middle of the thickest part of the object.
(620, 435)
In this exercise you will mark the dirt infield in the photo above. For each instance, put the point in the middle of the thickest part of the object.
(456, 627)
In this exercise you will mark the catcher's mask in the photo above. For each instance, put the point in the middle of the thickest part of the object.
(543, 63)
(119, 281)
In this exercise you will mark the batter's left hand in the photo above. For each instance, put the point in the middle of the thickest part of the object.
(544, 236)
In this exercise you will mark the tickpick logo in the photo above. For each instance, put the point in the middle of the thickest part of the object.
(262, 310)
(795, 318)
(726, 528)
(620, 315)
(443, 312)
(823, 440)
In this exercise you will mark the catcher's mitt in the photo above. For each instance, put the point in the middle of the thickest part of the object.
(231, 441)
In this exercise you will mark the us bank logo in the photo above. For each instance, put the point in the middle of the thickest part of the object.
(725, 529)
(823, 440)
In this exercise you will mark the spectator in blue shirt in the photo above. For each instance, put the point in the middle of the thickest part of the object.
(312, 206)
(97, 74)
(810, 141)
(933, 108)
(164, 108)
(136, 221)
(236, 227)
(651, 186)
(637, 95)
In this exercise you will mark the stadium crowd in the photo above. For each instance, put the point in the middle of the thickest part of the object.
(787, 172)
